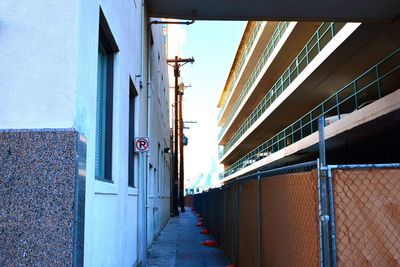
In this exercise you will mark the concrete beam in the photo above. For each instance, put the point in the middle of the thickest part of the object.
(307, 10)
(374, 111)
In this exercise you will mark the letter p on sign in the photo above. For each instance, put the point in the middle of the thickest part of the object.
(141, 144)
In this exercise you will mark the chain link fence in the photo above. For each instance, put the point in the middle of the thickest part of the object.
(265, 219)
(248, 247)
(289, 219)
(366, 203)
(275, 217)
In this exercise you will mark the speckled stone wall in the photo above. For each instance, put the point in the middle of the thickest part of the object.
(42, 197)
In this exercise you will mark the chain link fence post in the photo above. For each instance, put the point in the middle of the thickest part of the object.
(322, 197)
(259, 219)
(332, 217)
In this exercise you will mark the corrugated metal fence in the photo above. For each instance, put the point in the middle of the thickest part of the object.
(276, 217)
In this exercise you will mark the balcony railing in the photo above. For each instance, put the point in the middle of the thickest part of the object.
(275, 38)
(375, 83)
(317, 42)
(243, 58)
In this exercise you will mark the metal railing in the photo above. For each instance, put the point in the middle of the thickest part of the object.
(367, 88)
(275, 38)
(243, 58)
(313, 47)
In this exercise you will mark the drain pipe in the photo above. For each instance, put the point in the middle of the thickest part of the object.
(149, 93)
(144, 161)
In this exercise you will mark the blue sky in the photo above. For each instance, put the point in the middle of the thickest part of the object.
(213, 46)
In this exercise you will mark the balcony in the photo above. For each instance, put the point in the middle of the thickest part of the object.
(374, 84)
(239, 68)
(283, 44)
(313, 47)
(276, 36)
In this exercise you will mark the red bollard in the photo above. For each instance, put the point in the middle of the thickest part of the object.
(210, 243)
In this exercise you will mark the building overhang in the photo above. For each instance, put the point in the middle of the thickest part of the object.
(306, 10)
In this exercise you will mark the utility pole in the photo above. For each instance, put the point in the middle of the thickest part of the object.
(181, 168)
(178, 62)
(181, 148)
(171, 184)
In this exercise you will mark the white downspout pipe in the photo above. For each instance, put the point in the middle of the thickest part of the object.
(144, 161)
(150, 90)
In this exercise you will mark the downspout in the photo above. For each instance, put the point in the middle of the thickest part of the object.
(144, 163)
(149, 92)
(149, 210)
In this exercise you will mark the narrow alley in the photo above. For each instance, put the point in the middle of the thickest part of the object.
(180, 244)
(189, 133)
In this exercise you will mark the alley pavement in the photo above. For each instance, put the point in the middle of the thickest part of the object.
(180, 245)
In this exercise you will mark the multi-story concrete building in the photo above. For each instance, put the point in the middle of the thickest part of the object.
(79, 81)
(287, 74)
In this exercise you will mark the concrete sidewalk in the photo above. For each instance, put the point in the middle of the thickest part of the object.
(180, 244)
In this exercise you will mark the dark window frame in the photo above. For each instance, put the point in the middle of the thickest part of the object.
(159, 168)
(131, 135)
(107, 42)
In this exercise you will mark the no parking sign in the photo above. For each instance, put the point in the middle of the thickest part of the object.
(142, 144)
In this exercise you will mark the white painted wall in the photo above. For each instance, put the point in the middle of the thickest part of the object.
(113, 219)
(38, 53)
(48, 79)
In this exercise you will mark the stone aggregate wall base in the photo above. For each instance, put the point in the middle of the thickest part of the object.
(42, 197)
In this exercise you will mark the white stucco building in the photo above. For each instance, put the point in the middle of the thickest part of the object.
(95, 70)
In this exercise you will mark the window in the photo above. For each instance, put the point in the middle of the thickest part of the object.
(158, 167)
(151, 69)
(104, 102)
(131, 137)
(151, 58)
(150, 181)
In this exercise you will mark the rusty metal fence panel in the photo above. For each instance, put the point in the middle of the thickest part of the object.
(289, 209)
(366, 204)
(247, 229)
(231, 222)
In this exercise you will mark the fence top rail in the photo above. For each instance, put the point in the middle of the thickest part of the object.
(286, 169)
(365, 166)
(276, 171)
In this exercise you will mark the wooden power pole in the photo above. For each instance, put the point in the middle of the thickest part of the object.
(178, 62)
